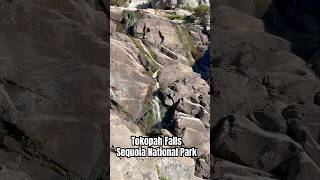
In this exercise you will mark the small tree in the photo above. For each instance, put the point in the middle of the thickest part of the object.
(202, 13)
(201, 10)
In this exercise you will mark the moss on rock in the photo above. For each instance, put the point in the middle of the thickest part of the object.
(130, 18)
(193, 52)
(150, 66)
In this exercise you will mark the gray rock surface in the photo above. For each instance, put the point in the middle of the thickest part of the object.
(52, 94)
(151, 75)
(264, 92)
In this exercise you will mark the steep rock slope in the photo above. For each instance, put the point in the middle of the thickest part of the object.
(263, 102)
(155, 91)
(52, 94)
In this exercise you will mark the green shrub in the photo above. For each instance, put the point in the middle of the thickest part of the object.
(201, 11)
(163, 178)
(118, 2)
(188, 7)
(175, 15)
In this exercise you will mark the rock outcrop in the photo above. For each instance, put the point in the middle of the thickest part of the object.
(155, 90)
(52, 90)
(264, 96)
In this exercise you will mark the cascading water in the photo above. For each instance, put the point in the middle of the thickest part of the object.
(156, 106)
(156, 111)
(147, 51)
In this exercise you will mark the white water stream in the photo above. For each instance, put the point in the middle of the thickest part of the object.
(147, 51)
(156, 111)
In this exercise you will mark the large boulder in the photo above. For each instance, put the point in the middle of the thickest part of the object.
(304, 123)
(270, 121)
(263, 93)
(128, 75)
(303, 167)
(240, 140)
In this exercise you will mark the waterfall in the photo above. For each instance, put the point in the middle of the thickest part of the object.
(147, 51)
(156, 111)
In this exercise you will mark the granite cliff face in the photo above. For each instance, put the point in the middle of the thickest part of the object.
(265, 110)
(52, 94)
(159, 87)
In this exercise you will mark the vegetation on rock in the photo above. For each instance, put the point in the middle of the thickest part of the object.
(118, 2)
(188, 7)
(150, 64)
(186, 40)
(202, 12)
(129, 20)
